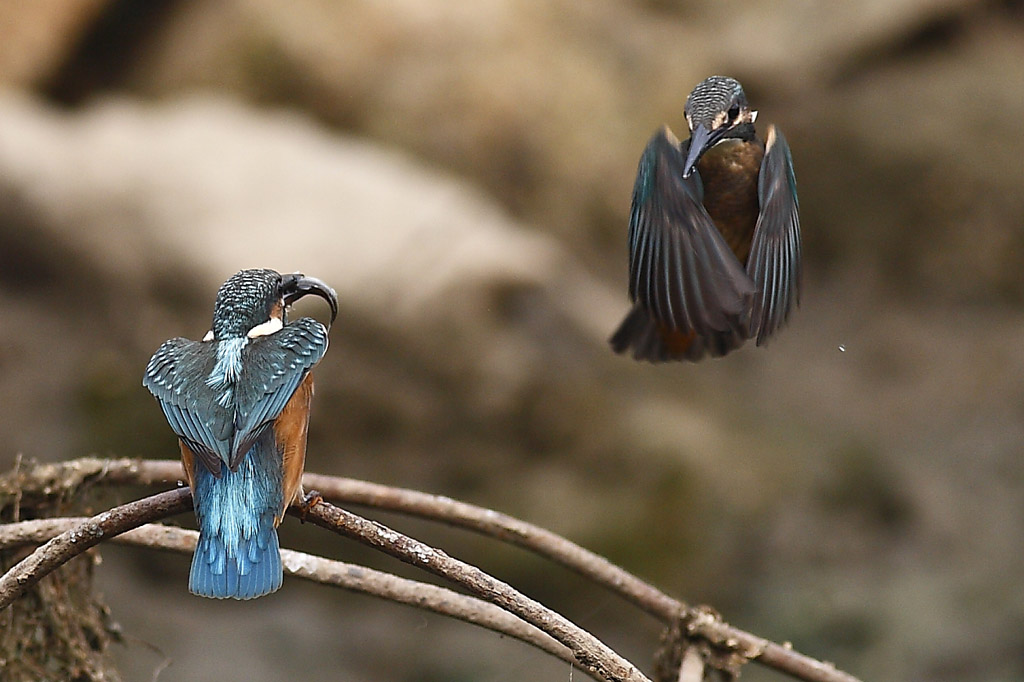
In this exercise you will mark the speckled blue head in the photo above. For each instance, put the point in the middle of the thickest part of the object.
(251, 298)
(716, 110)
(711, 100)
(246, 300)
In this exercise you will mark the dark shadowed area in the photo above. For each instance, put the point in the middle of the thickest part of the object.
(460, 172)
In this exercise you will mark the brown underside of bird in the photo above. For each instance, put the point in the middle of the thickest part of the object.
(291, 429)
(729, 172)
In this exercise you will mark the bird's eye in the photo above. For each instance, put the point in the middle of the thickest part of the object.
(734, 112)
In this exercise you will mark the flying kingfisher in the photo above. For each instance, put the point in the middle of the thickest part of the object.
(239, 403)
(714, 234)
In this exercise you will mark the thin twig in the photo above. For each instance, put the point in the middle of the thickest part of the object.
(591, 653)
(351, 577)
(704, 623)
(16, 514)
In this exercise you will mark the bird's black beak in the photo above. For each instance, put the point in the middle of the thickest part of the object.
(701, 140)
(297, 285)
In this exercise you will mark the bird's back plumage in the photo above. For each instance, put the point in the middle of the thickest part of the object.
(224, 419)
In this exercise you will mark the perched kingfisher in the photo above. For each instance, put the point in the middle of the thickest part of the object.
(714, 234)
(239, 402)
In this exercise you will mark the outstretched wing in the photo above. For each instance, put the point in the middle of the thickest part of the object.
(273, 366)
(176, 376)
(774, 262)
(680, 268)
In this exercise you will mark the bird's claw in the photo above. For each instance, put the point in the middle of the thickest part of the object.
(309, 500)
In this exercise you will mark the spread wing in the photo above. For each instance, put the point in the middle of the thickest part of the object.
(774, 262)
(680, 268)
(176, 376)
(220, 424)
(273, 366)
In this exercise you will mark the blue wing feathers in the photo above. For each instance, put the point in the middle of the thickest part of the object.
(238, 553)
(175, 377)
(681, 269)
(272, 368)
(775, 251)
(684, 275)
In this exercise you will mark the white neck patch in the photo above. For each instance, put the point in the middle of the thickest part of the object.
(267, 328)
(228, 367)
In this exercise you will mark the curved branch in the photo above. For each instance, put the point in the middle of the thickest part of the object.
(503, 527)
(592, 654)
(45, 478)
(596, 658)
(454, 513)
(62, 548)
(359, 579)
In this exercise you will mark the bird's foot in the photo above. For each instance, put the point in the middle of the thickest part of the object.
(309, 500)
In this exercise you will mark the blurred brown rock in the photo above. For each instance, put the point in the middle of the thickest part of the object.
(38, 36)
(548, 107)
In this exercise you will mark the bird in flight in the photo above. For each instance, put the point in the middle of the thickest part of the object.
(714, 234)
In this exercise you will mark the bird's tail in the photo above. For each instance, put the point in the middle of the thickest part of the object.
(239, 567)
(238, 555)
(653, 342)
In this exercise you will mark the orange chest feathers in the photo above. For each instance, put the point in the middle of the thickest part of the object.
(729, 173)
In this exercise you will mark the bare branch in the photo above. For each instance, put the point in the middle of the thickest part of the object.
(503, 527)
(595, 657)
(446, 510)
(46, 478)
(65, 546)
(704, 623)
(591, 653)
(351, 577)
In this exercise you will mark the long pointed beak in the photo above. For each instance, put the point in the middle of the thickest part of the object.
(297, 285)
(701, 140)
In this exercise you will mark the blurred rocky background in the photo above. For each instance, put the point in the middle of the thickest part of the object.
(461, 173)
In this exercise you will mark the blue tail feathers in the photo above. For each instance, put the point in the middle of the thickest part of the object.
(252, 571)
(238, 555)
